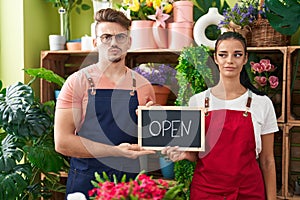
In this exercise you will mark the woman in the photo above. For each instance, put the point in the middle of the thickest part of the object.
(240, 123)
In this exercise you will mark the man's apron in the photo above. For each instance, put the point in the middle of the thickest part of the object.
(230, 170)
(110, 119)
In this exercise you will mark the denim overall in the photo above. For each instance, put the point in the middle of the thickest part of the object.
(110, 119)
(229, 170)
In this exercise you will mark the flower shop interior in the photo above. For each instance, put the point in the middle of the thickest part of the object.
(31, 168)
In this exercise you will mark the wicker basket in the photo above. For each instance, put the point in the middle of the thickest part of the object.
(263, 35)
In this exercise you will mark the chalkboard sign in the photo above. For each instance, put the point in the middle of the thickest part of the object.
(162, 126)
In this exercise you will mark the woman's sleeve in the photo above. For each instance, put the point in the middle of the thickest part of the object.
(270, 120)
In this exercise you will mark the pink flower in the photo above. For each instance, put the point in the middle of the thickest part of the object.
(266, 64)
(261, 80)
(256, 67)
(273, 80)
(159, 17)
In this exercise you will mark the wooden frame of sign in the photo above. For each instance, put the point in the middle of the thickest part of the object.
(162, 126)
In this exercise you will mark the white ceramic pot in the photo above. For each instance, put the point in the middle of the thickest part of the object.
(57, 42)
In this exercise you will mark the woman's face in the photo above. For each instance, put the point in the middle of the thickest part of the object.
(230, 57)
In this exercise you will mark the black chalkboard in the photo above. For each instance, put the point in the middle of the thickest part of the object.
(161, 126)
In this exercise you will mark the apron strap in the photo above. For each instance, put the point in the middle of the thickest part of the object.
(133, 83)
(249, 100)
(248, 104)
(92, 84)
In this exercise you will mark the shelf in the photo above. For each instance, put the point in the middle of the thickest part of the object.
(293, 87)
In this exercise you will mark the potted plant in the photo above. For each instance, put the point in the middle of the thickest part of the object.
(194, 75)
(27, 147)
(162, 77)
(142, 13)
(241, 16)
(65, 7)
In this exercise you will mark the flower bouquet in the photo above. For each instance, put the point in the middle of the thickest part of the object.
(143, 187)
(263, 78)
(241, 16)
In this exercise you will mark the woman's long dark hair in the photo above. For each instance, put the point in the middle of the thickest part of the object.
(244, 77)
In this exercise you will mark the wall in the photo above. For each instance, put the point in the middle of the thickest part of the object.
(24, 29)
(11, 41)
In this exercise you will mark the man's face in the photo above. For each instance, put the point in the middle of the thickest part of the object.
(112, 41)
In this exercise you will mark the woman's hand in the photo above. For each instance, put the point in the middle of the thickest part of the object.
(174, 154)
(132, 151)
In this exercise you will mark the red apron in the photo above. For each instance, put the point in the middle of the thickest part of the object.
(229, 169)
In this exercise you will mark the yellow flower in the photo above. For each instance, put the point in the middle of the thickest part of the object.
(168, 8)
(135, 6)
(156, 3)
(126, 2)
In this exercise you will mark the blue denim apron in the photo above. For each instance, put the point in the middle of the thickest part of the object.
(110, 119)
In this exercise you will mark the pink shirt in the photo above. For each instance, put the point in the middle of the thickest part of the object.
(74, 92)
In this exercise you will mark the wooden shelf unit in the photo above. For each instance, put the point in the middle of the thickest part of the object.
(293, 85)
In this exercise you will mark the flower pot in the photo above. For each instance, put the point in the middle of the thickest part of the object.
(160, 35)
(183, 11)
(57, 42)
(142, 35)
(167, 168)
(180, 34)
(161, 94)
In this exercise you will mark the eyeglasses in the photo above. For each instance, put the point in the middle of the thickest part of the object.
(107, 38)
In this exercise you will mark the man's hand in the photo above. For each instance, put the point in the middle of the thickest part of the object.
(132, 151)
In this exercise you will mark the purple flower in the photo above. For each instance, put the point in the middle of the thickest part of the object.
(160, 75)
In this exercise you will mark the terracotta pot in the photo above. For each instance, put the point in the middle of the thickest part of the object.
(183, 11)
(180, 34)
(161, 94)
(142, 35)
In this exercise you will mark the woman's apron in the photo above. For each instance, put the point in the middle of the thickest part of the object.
(230, 170)
(110, 119)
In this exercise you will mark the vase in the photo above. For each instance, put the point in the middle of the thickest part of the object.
(161, 94)
(183, 11)
(142, 35)
(180, 34)
(160, 35)
(212, 17)
(167, 168)
(64, 23)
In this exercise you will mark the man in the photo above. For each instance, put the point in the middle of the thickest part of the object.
(95, 119)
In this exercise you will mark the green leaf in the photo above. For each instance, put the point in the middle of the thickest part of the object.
(47, 75)
(10, 153)
(85, 7)
(43, 156)
(283, 15)
(14, 183)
